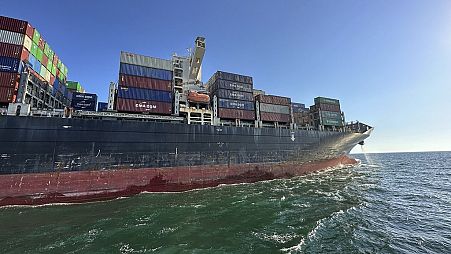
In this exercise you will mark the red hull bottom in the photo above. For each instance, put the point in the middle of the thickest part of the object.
(88, 186)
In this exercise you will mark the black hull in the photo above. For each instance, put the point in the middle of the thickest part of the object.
(38, 145)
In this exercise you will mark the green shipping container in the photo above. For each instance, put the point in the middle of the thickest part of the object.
(48, 51)
(43, 71)
(39, 54)
(74, 85)
(53, 70)
(59, 64)
(34, 49)
(320, 100)
(36, 36)
(330, 115)
(49, 65)
(332, 122)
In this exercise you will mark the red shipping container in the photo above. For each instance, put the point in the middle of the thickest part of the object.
(29, 31)
(272, 99)
(228, 113)
(52, 79)
(329, 107)
(7, 94)
(8, 79)
(10, 50)
(13, 25)
(274, 117)
(25, 54)
(143, 82)
(129, 105)
(41, 43)
(45, 61)
(55, 59)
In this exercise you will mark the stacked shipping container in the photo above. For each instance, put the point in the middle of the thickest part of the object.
(274, 108)
(234, 95)
(327, 112)
(20, 45)
(145, 84)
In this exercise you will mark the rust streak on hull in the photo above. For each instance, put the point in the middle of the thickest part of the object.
(88, 186)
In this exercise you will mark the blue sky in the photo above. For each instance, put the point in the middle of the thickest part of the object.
(389, 62)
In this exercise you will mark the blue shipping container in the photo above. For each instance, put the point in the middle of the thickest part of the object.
(37, 67)
(102, 106)
(56, 86)
(231, 85)
(8, 64)
(32, 61)
(144, 94)
(141, 71)
(84, 101)
(234, 104)
(234, 95)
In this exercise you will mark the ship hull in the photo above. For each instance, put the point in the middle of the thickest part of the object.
(49, 160)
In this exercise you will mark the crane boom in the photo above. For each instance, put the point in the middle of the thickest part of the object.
(196, 59)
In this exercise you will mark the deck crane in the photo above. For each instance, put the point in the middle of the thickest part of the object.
(196, 58)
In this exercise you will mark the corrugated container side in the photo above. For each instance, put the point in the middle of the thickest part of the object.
(31, 61)
(233, 77)
(27, 43)
(41, 43)
(227, 113)
(319, 100)
(39, 54)
(144, 94)
(141, 71)
(14, 25)
(10, 50)
(56, 86)
(272, 99)
(102, 106)
(11, 37)
(331, 115)
(43, 70)
(24, 55)
(36, 36)
(298, 107)
(274, 117)
(37, 67)
(147, 61)
(29, 31)
(231, 85)
(8, 79)
(234, 104)
(273, 108)
(130, 105)
(332, 122)
(7, 94)
(329, 107)
(8, 64)
(234, 95)
(45, 60)
(143, 82)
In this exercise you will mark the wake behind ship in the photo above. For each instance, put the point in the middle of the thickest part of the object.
(162, 129)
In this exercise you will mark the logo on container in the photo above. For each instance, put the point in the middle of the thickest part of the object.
(145, 106)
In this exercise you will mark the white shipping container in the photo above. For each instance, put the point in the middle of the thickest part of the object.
(147, 61)
(272, 108)
(47, 75)
(27, 43)
(11, 37)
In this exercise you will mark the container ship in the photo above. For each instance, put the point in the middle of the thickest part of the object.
(161, 130)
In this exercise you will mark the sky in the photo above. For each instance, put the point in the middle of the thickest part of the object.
(388, 61)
